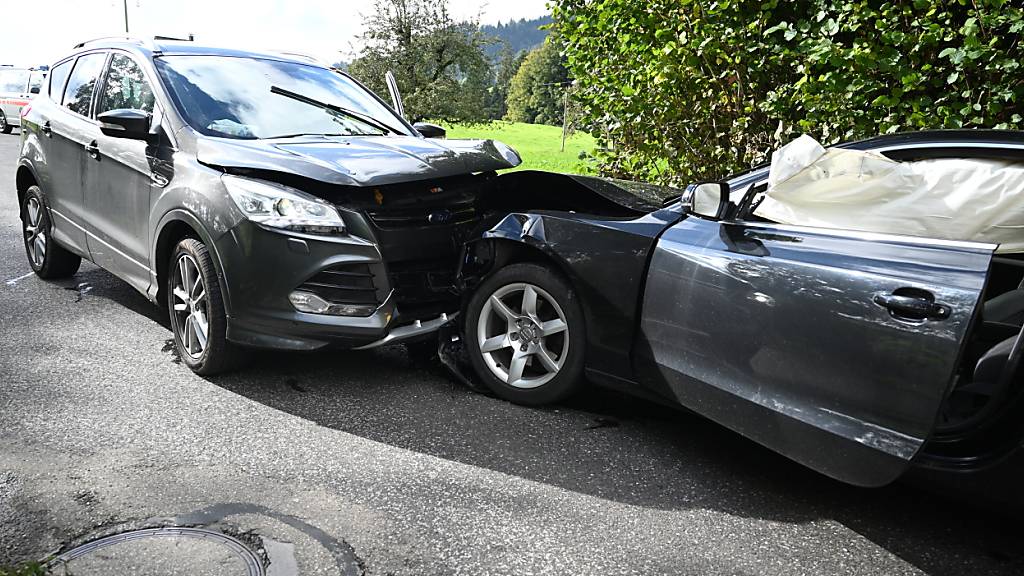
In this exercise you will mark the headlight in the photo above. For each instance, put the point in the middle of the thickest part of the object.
(279, 206)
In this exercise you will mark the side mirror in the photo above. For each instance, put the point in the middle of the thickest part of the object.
(124, 123)
(430, 130)
(33, 90)
(707, 199)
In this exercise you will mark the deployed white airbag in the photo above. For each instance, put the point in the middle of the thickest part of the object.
(950, 198)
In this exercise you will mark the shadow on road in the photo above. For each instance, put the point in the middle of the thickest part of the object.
(602, 444)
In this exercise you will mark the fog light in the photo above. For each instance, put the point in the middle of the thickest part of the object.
(313, 304)
(309, 302)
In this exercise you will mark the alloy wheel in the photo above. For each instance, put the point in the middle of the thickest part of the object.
(523, 335)
(35, 232)
(191, 306)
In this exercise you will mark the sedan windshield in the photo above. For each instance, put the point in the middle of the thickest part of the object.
(232, 97)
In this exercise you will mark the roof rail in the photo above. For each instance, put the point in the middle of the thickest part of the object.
(302, 56)
(102, 38)
(147, 42)
(190, 38)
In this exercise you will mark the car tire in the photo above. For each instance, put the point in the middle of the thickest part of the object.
(196, 310)
(527, 354)
(5, 127)
(48, 259)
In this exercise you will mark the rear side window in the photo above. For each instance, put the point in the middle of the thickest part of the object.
(82, 83)
(58, 74)
(125, 87)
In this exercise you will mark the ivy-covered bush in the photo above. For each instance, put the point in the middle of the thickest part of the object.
(680, 90)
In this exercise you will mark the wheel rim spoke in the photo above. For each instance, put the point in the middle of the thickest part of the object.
(496, 343)
(181, 306)
(33, 212)
(529, 302)
(200, 326)
(552, 327)
(39, 249)
(546, 360)
(515, 371)
(188, 333)
(502, 310)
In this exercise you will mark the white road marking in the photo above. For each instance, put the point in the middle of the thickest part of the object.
(14, 281)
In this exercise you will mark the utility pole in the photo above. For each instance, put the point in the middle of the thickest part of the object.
(126, 17)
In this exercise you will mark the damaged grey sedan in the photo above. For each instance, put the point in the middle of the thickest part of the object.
(858, 309)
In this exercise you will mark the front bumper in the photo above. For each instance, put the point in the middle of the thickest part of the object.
(261, 267)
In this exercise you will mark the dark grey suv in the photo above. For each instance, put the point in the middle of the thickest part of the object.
(266, 200)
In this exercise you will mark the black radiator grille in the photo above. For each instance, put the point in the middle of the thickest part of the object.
(428, 214)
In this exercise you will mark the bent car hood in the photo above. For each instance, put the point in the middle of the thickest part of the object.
(360, 160)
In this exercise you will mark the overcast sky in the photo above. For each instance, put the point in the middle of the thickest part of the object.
(40, 31)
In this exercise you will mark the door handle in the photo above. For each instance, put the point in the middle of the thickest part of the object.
(47, 129)
(93, 149)
(913, 307)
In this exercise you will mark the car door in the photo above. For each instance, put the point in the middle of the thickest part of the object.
(833, 348)
(66, 130)
(117, 192)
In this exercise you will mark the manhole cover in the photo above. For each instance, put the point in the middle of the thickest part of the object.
(165, 551)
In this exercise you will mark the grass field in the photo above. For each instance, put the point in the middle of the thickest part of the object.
(539, 145)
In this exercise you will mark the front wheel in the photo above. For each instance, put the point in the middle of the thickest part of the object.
(4, 126)
(525, 334)
(196, 310)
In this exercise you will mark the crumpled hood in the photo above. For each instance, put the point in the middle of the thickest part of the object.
(360, 160)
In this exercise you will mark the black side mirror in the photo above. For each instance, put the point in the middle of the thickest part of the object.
(430, 130)
(124, 123)
(34, 90)
(707, 199)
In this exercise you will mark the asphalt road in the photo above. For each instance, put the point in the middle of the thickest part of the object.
(366, 453)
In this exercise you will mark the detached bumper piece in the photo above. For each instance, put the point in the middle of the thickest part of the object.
(410, 331)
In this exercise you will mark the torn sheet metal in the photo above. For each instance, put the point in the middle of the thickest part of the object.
(968, 199)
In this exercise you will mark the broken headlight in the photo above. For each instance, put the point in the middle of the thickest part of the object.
(283, 207)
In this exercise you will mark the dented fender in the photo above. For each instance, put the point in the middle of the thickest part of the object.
(604, 259)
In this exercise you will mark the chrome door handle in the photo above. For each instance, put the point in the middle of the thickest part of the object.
(47, 129)
(93, 149)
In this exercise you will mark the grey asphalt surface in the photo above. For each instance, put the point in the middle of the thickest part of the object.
(331, 454)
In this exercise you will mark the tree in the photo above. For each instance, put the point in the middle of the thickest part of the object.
(536, 94)
(505, 68)
(440, 64)
(682, 90)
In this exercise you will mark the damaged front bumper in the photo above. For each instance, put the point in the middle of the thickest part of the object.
(270, 274)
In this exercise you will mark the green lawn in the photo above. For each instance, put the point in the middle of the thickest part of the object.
(539, 145)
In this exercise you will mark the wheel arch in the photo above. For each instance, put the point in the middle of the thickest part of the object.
(174, 226)
(25, 178)
(488, 255)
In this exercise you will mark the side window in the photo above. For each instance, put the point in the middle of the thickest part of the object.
(58, 74)
(125, 87)
(78, 93)
(13, 81)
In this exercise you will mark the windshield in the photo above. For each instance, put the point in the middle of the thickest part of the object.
(231, 97)
(13, 81)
